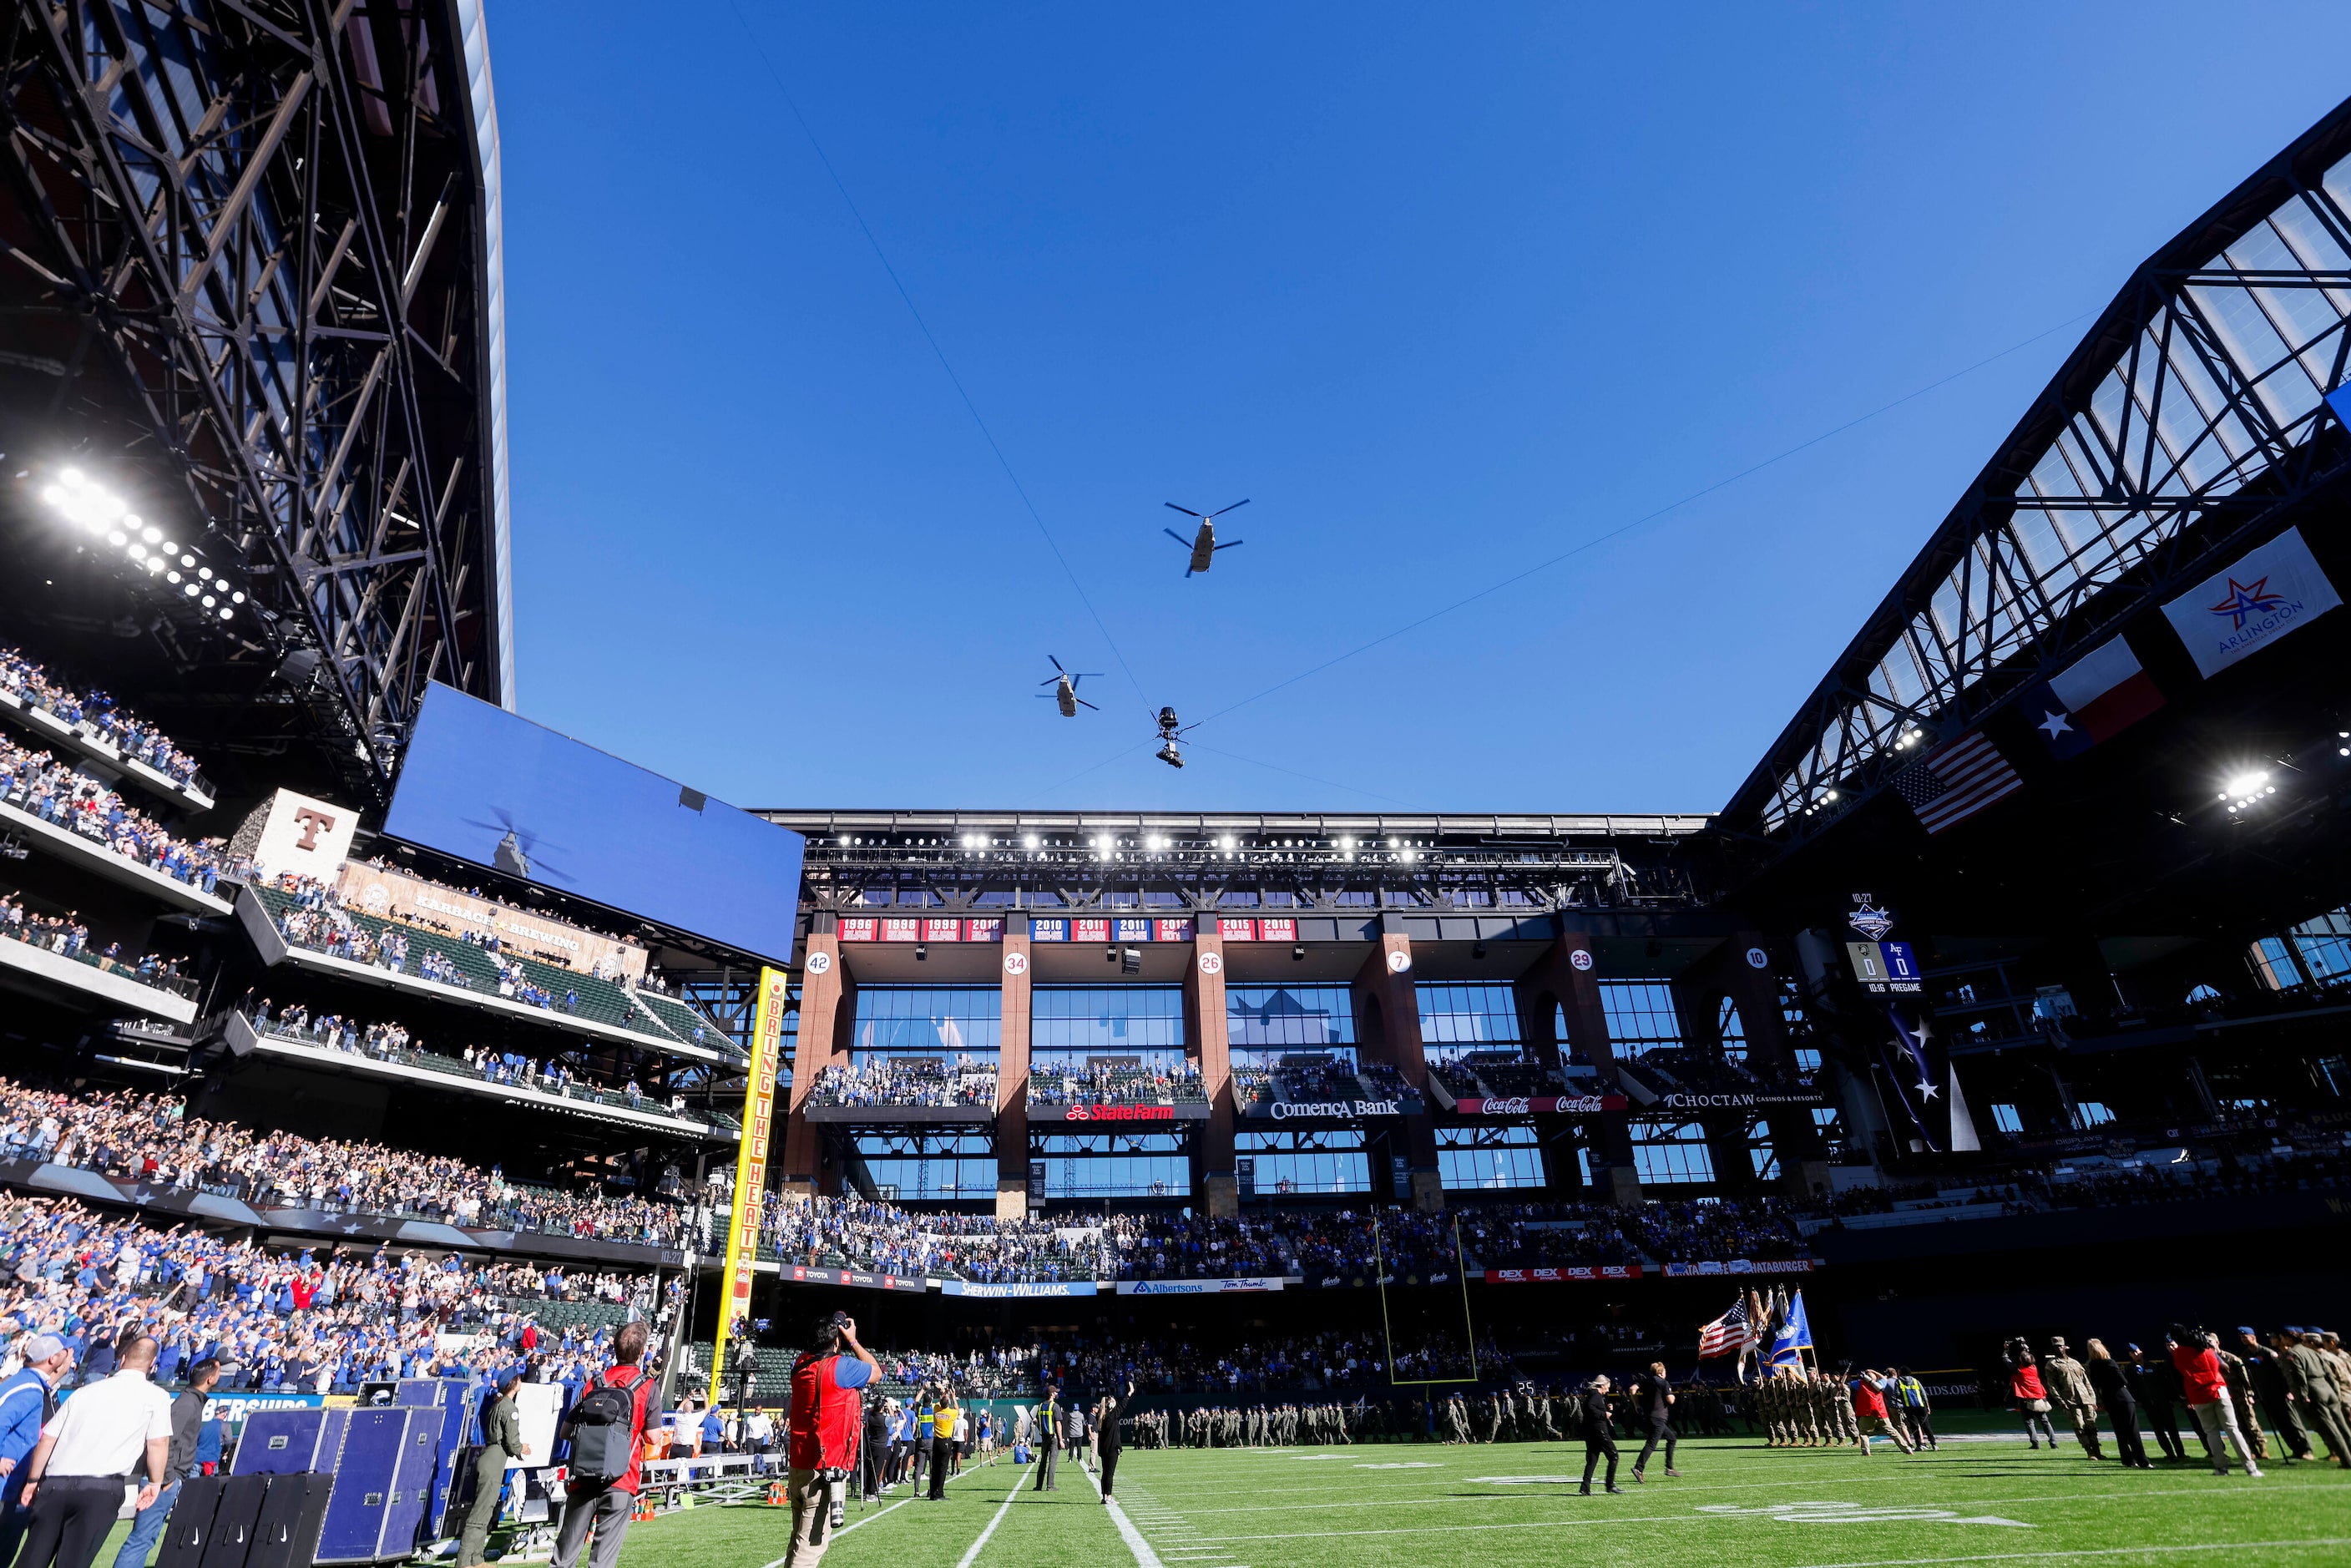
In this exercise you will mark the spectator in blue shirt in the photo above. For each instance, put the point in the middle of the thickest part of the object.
(27, 1401)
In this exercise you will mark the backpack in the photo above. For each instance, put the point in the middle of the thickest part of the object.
(605, 1429)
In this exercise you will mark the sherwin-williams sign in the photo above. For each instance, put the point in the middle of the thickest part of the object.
(2251, 603)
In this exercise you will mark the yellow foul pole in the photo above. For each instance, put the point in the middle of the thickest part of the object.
(750, 1166)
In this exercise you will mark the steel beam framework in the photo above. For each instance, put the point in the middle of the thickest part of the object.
(2190, 420)
(979, 862)
(265, 230)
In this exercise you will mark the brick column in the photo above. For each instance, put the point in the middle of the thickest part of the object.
(1207, 1033)
(822, 1016)
(1388, 1027)
(1012, 1074)
(1570, 976)
(1730, 971)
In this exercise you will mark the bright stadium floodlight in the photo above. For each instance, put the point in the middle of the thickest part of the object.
(1029, 841)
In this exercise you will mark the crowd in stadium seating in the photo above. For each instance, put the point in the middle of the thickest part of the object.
(37, 782)
(1061, 1082)
(914, 1081)
(393, 1042)
(151, 1138)
(310, 914)
(66, 935)
(308, 1320)
(1334, 1359)
(132, 736)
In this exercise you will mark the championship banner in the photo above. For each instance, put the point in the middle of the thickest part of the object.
(751, 1161)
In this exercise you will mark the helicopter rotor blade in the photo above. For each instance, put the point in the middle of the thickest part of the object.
(1185, 510)
(1230, 543)
(1052, 661)
(1082, 703)
(1179, 539)
(1236, 507)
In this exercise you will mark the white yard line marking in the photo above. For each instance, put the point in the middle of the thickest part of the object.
(1556, 1522)
(2095, 1551)
(1677, 1490)
(1143, 1557)
(869, 1519)
(972, 1555)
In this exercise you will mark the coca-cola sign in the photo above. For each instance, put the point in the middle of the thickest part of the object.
(1539, 1104)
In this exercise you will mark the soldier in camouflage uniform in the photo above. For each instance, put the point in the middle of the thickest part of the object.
(2068, 1382)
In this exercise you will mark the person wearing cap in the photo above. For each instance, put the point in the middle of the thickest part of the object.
(2070, 1390)
(27, 1400)
(74, 1481)
(2312, 1384)
(2265, 1368)
(2329, 1346)
(501, 1443)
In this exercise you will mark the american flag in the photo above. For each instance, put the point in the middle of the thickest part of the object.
(1948, 786)
(1728, 1334)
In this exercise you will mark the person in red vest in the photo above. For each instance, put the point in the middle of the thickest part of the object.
(821, 1444)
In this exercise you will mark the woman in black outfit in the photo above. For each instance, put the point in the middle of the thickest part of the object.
(1599, 1433)
(2113, 1385)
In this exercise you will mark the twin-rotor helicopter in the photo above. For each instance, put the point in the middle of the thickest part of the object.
(1064, 680)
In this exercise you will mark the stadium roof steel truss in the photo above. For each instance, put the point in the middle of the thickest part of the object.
(2184, 423)
(1176, 863)
(279, 218)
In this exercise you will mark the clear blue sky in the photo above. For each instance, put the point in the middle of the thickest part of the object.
(1445, 291)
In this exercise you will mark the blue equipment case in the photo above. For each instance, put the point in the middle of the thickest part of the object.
(288, 1442)
(453, 1399)
(382, 1479)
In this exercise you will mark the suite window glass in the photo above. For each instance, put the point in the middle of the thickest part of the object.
(940, 1167)
(1670, 1153)
(1113, 1165)
(1330, 1160)
(1472, 1158)
(1266, 1024)
(1641, 1016)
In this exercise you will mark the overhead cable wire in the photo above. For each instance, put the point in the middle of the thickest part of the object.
(1622, 528)
(923, 327)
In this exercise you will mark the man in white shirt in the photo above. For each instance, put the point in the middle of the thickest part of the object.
(77, 1470)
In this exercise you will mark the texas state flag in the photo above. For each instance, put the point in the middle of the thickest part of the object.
(2095, 699)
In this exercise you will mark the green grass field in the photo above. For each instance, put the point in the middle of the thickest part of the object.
(1429, 1506)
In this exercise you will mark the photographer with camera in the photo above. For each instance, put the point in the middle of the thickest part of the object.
(822, 1432)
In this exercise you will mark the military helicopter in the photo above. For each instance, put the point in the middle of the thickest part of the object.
(1171, 731)
(1065, 689)
(1203, 545)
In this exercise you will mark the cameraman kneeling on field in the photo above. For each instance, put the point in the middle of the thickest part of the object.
(822, 1433)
